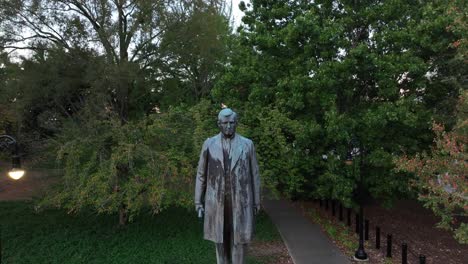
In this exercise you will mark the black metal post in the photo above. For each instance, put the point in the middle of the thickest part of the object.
(16, 164)
(357, 223)
(340, 216)
(404, 253)
(321, 203)
(360, 253)
(366, 230)
(389, 246)
(326, 204)
(422, 259)
(377, 237)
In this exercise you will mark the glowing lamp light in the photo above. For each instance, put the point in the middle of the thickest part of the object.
(16, 174)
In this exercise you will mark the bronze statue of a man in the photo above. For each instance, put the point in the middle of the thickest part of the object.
(227, 190)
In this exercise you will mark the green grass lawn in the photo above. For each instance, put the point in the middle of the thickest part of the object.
(52, 236)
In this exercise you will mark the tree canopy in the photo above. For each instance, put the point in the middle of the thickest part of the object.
(310, 76)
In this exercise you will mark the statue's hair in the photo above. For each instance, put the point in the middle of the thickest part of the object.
(226, 112)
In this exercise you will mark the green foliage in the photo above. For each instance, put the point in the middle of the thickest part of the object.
(174, 236)
(441, 175)
(281, 137)
(336, 181)
(311, 75)
(149, 162)
(49, 87)
(265, 230)
(193, 52)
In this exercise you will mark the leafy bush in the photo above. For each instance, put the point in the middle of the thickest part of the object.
(113, 167)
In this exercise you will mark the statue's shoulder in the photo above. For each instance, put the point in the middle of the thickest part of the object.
(245, 140)
(211, 140)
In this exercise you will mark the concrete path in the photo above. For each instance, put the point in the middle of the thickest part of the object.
(306, 242)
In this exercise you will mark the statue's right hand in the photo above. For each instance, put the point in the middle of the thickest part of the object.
(200, 210)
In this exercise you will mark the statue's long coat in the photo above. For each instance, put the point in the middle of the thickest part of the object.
(245, 182)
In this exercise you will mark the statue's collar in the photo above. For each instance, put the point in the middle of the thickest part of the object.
(226, 138)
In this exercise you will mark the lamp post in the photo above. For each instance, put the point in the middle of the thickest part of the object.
(15, 172)
(356, 151)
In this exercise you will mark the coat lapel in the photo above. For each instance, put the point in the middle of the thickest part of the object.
(217, 150)
(236, 151)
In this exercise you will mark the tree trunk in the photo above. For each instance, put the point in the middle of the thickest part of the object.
(122, 176)
(123, 216)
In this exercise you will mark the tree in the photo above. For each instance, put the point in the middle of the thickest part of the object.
(49, 87)
(441, 180)
(194, 52)
(327, 71)
(126, 33)
(159, 150)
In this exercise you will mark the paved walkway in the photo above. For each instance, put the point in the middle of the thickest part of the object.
(306, 242)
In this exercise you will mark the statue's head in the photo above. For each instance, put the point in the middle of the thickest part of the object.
(227, 122)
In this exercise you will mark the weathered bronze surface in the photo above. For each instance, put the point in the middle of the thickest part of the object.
(228, 186)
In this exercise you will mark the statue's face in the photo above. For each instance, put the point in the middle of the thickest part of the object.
(227, 125)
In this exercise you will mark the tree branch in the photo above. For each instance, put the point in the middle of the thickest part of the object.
(143, 44)
(40, 32)
(110, 51)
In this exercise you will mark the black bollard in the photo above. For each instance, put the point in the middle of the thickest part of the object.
(377, 237)
(326, 204)
(366, 230)
(341, 213)
(404, 253)
(357, 223)
(389, 246)
(422, 259)
(333, 208)
(321, 203)
(349, 216)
